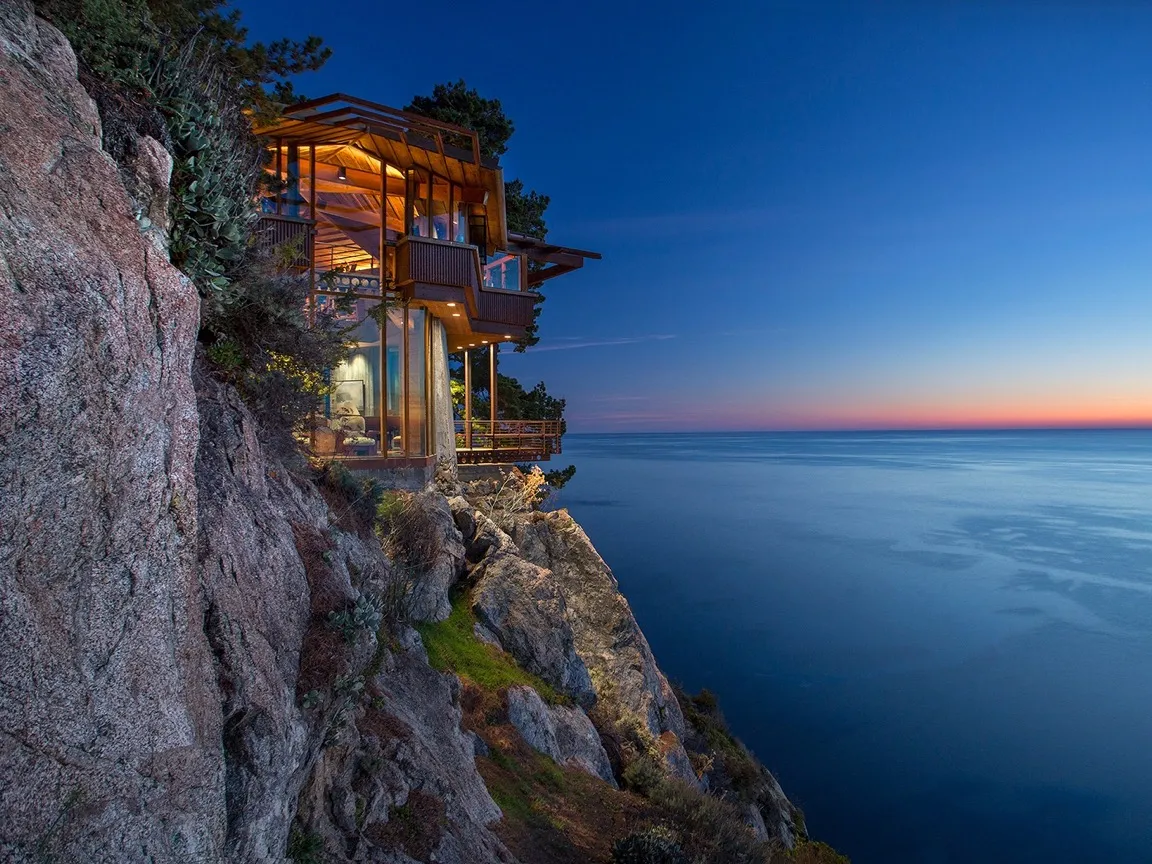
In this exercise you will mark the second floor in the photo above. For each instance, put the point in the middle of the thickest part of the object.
(378, 201)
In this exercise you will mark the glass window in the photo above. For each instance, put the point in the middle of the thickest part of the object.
(417, 191)
(502, 270)
(417, 388)
(394, 416)
(353, 406)
(459, 217)
(440, 203)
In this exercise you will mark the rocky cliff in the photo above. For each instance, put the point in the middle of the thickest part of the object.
(209, 654)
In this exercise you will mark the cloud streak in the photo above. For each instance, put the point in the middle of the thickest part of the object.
(597, 343)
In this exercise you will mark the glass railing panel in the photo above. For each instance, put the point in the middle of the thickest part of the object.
(503, 271)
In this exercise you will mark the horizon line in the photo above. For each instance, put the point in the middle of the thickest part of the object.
(1143, 427)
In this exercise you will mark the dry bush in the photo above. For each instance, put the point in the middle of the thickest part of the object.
(709, 828)
(415, 827)
(411, 535)
(515, 492)
(324, 651)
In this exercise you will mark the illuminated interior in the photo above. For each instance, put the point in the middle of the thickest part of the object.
(355, 190)
(378, 404)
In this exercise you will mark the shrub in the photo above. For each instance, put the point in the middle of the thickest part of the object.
(515, 492)
(349, 496)
(216, 170)
(415, 826)
(304, 847)
(650, 846)
(364, 616)
(710, 829)
(411, 534)
(643, 775)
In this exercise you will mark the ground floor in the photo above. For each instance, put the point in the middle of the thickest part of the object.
(390, 404)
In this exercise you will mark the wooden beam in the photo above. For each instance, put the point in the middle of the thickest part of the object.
(537, 277)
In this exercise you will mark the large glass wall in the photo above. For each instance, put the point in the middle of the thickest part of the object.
(396, 378)
(417, 392)
(378, 399)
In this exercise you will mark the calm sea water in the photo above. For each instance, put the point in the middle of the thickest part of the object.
(940, 642)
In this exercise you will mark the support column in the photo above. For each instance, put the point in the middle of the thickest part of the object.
(492, 389)
(467, 399)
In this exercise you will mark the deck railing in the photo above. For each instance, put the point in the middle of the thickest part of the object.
(513, 308)
(273, 231)
(507, 441)
(437, 262)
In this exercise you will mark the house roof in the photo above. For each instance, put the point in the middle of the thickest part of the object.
(558, 259)
(399, 138)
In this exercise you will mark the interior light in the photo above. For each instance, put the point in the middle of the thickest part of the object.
(342, 173)
(455, 314)
(506, 336)
(483, 341)
(471, 344)
(451, 305)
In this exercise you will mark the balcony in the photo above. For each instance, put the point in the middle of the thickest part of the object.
(506, 441)
(275, 231)
(439, 271)
(506, 308)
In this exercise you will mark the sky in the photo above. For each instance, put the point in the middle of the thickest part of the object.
(813, 215)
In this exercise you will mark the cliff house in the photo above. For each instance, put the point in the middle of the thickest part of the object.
(401, 227)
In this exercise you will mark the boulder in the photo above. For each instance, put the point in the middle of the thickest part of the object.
(524, 608)
(629, 686)
(428, 600)
(107, 687)
(561, 732)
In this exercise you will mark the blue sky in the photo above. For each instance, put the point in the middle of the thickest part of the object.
(812, 214)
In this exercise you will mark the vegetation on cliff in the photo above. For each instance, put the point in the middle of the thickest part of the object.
(184, 73)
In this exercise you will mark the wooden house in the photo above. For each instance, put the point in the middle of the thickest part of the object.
(402, 220)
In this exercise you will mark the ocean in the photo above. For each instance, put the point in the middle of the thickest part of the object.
(940, 643)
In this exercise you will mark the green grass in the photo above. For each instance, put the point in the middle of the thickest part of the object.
(452, 646)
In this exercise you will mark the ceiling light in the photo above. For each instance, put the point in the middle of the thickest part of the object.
(455, 314)
(342, 173)
(471, 344)
(483, 341)
(506, 336)
(451, 305)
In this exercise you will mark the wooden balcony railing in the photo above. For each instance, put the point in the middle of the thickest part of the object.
(513, 308)
(507, 441)
(421, 260)
(273, 231)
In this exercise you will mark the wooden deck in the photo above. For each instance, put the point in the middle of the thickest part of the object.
(507, 441)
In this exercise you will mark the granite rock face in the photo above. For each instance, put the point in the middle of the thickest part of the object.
(523, 607)
(405, 753)
(560, 731)
(630, 688)
(170, 688)
(110, 744)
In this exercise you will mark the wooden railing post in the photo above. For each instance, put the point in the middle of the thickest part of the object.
(492, 387)
(467, 399)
